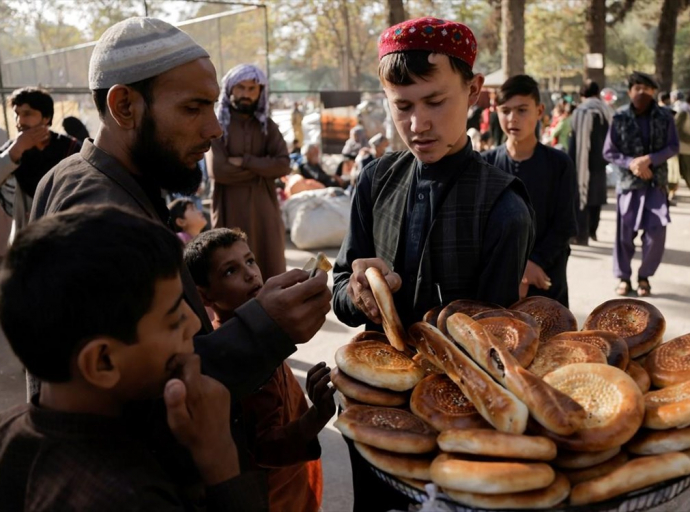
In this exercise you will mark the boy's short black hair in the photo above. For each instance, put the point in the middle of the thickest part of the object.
(589, 89)
(518, 85)
(87, 272)
(665, 96)
(402, 68)
(198, 252)
(178, 208)
(640, 78)
(143, 87)
(36, 98)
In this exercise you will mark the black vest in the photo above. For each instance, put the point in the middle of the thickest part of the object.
(452, 248)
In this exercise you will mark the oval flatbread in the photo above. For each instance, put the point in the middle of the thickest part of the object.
(577, 476)
(529, 500)
(669, 363)
(639, 375)
(552, 316)
(392, 326)
(631, 476)
(496, 477)
(614, 405)
(370, 336)
(509, 313)
(668, 407)
(613, 346)
(365, 393)
(519, 338)
(654, 442)
(387, 428)
(555, 354)
(378, 365)
(580, 460)
(398, 464)
(492, 443)
(431, 316)
(464, 306)
(639, 323)
(439, 402)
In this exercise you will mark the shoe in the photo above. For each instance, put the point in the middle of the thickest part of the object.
(672, 202)
(644, 289)
(624, 288)
(593, 236)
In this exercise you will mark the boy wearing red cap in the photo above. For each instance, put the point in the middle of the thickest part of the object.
(438, 221)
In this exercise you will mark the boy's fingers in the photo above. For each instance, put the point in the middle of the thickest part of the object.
(315, 368)
(175, 395)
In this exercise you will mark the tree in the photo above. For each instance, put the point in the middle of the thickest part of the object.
(513, 37)
(665, 41)
(595, 36)
(396, 12)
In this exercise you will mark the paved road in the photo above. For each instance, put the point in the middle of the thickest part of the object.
(590, 281)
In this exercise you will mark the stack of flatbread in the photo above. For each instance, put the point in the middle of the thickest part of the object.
(518, 409)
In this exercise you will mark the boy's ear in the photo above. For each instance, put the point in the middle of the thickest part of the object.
(180, 222)
(203, 292)
(540, 110)
(95, 363)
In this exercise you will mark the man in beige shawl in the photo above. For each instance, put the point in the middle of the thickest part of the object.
(244, 164)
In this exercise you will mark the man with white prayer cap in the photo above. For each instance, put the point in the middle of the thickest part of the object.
(244, 163)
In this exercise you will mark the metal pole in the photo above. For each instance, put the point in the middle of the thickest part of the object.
(146, 8)
(268, 66)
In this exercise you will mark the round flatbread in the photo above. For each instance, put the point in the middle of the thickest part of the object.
(439, 402)
(398, 464)
(529, 500)
(668, 407)
(555, 354)
(639, 323)
(654, 442)
(580, 460)
(386, 428)
(519, 338)
(370, 336)
(365, 393)
(552, 316)
(458, 473)
(509, 313)
(428, 367)
(414, 483)
(378, 365)
(613, 346)
(392, 326)
(431, 316)
(639, 375)
(631, 476)
(669, 363)
(492, 443)
(464, 306)
(577, 476)
(614, 405)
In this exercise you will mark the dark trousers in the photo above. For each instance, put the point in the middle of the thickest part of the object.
(371, 494)
(588, 222)
(684, 162)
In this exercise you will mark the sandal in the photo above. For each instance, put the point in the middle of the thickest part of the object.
(624, 288)
(644, 289)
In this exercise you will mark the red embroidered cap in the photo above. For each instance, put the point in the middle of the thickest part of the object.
(430, 34)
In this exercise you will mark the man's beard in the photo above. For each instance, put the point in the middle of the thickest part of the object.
(158, 162)
(244, 107)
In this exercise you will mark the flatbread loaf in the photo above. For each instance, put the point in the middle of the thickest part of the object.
(633, 475)
(464, 306)
(392, 326)
(580, 460)
(552, 316)
(509, 313)
(496, 477)
(428, 367)
(639, 375)
(441, 403)
(529, 500)
(387, 428)
(492, 443)
(669, 363)
(398, 464)
(378, 365)
(668, 407)
(553, 409)
(639, 323)
(614, 405)
(497, 405)
(519, 338)
(654, 442)
(555, 354)
(613, 346)
(365, 393)
(577, 476)
(431, 316)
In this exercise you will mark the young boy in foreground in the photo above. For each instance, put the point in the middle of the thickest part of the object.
(112, 329)
(279, 427)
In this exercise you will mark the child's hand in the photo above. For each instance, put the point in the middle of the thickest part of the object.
(320, 393)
